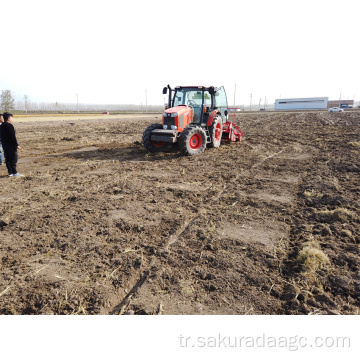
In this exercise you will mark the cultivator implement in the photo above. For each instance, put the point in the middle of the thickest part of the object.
(231, 132)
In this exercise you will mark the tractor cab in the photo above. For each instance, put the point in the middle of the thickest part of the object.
(198, 99)
(202, 100)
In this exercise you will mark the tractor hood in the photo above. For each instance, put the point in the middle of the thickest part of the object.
(177, 117)
(180, 109)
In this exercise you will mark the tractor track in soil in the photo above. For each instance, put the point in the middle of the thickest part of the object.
(267, 226)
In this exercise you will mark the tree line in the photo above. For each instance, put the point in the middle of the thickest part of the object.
(25, 105)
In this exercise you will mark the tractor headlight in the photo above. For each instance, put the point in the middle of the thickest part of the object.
(173, 127)
(164, 114)
(174, 114)
(164, 127)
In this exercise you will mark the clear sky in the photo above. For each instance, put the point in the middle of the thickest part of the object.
(114, 51)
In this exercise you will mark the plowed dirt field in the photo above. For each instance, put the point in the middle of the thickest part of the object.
(266, 226)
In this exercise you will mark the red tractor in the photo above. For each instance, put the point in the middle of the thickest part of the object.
(195, 118)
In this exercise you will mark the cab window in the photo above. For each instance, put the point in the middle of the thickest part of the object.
(220, 98)
(191, 97)
(207, 98)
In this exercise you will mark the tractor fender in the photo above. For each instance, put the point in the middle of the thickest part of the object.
(211, 117)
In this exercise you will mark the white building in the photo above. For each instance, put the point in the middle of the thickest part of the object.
(301, 103)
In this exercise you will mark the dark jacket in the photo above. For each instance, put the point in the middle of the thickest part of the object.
(7, 136)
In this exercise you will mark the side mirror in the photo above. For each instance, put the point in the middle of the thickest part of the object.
(211, 90)
(165, 90)
(225, 112)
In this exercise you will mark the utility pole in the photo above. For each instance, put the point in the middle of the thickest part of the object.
(339, 98)
(234, 94)
(26, 104)
(265, 103)
(145, 100)
(259, 103)
(250, 101)
(77, 101)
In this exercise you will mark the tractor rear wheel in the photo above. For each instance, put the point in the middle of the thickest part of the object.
(216, 132)
(150, 145)
(192, 141)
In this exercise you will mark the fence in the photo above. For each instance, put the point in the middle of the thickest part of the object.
(31, 106)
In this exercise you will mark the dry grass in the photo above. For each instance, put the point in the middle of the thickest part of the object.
(186, 287)
(347, 233)
(309, 193)
(355, 144)
(337, 214)
(312, 258)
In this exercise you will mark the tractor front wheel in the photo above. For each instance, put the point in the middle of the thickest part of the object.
(192, 141)
(153, 146)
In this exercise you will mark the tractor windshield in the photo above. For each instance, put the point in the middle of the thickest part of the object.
(192, 97)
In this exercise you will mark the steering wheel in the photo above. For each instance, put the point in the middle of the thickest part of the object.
(191, 103)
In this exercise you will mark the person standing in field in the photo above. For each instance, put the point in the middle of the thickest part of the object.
(1, 149)
(9, 144)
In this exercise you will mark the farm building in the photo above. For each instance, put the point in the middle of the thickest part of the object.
(301, 103)
(340, 103)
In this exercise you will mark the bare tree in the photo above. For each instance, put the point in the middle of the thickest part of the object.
(7, 101)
